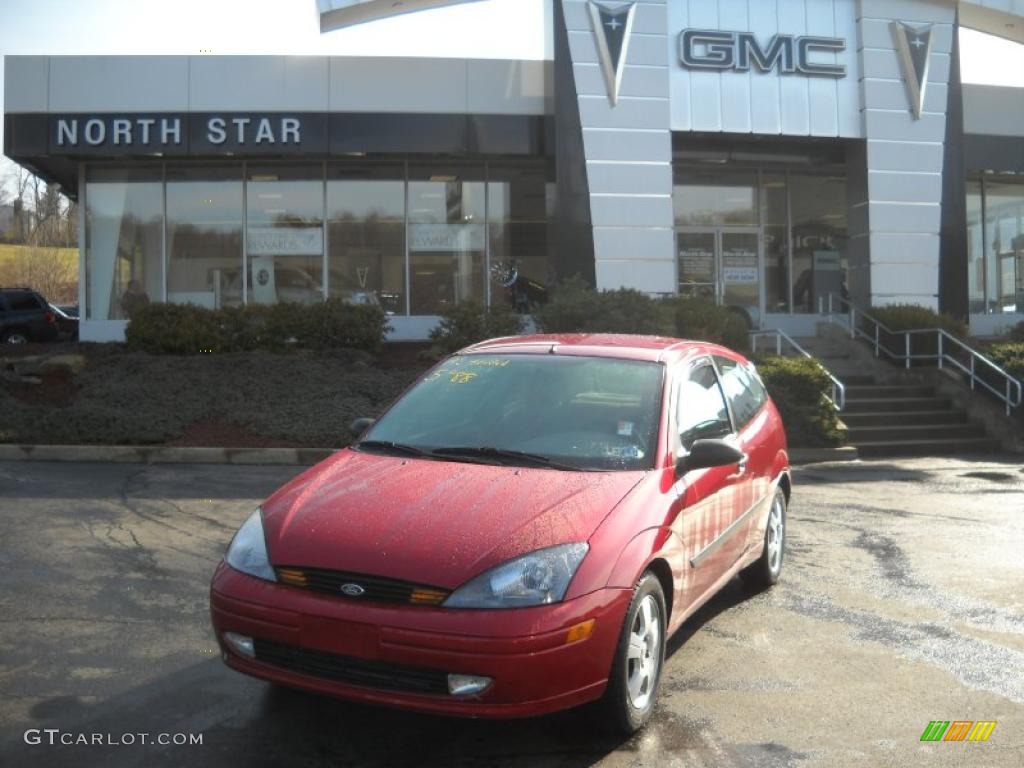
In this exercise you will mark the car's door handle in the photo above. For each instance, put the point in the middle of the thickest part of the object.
(741, 465)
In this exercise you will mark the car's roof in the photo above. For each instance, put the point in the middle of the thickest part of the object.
(618, 345)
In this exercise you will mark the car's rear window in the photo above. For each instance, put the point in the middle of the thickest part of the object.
(590, 412)
(22, 300)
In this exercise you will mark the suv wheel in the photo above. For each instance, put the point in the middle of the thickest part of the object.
(14, 337)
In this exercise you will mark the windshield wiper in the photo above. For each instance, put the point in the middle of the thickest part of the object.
(504, 456)
(395, 449)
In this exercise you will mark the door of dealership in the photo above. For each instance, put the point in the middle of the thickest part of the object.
(724, 265)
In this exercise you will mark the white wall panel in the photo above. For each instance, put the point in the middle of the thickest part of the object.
(679, 78)
(822, 91)
(631, 210)
(796, 110)
(630, 112)
(904, 186)
(394, 85)
(119, 83)
(625, 177)
(628, 243)
(26, 83)
(615, 144)
(765, 95)
(904, 156)
(253, 83)
(705, 92)
(636, 81)
(497, 87)
(736, 113)
(848, 95)
(651, 276)
(906, 218)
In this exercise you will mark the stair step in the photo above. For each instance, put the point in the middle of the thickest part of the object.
(853, 420)
(895, 404)
(860, 392)
(903, 432)
(851, 380)
(938, 447)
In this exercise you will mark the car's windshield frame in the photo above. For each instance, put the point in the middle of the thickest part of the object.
(490, 453)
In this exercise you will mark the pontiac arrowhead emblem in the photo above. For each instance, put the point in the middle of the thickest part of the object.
(611, 28)
(914, 46)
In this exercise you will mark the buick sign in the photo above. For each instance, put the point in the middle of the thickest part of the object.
(717, 51)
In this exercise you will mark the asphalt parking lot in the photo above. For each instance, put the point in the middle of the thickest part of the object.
(902, 602)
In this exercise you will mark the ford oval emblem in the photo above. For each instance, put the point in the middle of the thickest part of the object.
(352, 590)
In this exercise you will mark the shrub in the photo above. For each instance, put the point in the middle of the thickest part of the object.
(469, 322)
(706, 321)
(575, 307)
(186, 329)
(799, 388)
(1017, 332)
(910, 317)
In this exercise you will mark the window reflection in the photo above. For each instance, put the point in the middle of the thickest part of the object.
(1004, 244)
(521, 272)
(124, 225)
(819, 236)
(715, 197)
(284, 234)
(366, 234)
(204, 234)
(447, 237)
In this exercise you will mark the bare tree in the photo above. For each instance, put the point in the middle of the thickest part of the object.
(51, 271)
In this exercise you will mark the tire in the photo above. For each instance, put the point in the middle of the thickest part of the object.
(765, 572)
(633, 684)
(14, 336)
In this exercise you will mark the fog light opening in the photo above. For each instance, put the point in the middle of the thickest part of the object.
(240, 644)
(467, 685)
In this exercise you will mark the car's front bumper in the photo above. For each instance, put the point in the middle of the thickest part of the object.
(525, 651)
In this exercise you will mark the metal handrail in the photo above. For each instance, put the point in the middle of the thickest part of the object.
(1014, 391)
(838, 399)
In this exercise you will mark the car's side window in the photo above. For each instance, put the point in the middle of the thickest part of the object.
(701, 412)
(743, 388)
(22, 300)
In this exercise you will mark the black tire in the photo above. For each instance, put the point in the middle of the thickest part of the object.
(766, 571)
(621, 715)
(14, 336)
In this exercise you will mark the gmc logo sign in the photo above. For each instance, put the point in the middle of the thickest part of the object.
(708, 49)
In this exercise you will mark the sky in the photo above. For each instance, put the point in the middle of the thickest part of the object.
(485, 29)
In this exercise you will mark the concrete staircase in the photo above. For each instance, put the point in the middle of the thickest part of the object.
(889, 414)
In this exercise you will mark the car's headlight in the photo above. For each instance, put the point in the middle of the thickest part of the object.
(538, 578)
(248, 550)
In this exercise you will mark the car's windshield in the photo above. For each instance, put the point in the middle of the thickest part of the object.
(585, 412)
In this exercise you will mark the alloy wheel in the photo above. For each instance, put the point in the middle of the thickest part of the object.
(644, 654)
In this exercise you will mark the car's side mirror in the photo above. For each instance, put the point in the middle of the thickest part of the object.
(359, 426)
(708, 453)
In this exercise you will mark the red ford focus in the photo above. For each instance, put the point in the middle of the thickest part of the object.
(519, 533)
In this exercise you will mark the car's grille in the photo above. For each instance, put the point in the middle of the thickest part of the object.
(345, 669)
(348, 585)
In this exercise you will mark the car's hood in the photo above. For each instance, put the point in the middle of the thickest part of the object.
(431, 522)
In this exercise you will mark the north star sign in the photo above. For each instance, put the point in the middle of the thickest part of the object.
(159, 132)
(720, 51)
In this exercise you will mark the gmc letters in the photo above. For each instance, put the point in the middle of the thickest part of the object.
(707, 49)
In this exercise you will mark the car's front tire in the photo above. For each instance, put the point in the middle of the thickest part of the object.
(639, 659)
(765, 572)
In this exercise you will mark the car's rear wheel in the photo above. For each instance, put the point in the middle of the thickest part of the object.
(14, 337)
(765, 572)
(639, 658)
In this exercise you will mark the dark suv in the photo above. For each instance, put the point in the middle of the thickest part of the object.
(25, 316)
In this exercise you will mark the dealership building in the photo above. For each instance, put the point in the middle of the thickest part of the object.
(768, 154)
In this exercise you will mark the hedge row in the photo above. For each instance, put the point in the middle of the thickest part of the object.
(799, 388)
(575, 307)
(187, 329)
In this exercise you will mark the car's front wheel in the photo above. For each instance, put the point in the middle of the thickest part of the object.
(639, 658)
(765, 572)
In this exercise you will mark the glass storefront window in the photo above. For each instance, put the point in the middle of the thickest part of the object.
(123, 251)
(719, 197)
(975, 249)
(285, 233)
(1004, 245)
(819, 236)
(447, 237)
(204, 234)
(366, 234)
(774, 197)
(517, 216)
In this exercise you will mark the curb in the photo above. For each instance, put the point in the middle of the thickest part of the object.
(817, 455)
(159, 454)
